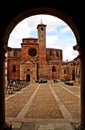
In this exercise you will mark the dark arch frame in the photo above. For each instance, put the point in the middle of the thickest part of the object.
(37, 11)
(49, 11)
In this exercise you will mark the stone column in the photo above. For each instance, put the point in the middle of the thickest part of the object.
(3, 125)
(82, 86)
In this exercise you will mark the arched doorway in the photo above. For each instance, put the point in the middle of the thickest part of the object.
(36, 11)
(28, 77)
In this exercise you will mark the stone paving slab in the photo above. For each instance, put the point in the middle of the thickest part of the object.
(42, 97)
(42, 126)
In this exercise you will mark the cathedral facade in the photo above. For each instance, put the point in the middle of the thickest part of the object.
(33, 60)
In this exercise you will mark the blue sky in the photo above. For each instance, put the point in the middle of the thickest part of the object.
(58, 34)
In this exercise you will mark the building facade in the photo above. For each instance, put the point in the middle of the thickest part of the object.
(33, 60)
(70, 70)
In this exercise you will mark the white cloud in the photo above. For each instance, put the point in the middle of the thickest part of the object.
(65, 29)
(51, 41)
(58, 34)
(69, 53)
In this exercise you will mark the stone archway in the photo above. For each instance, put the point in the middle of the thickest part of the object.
(29, 13)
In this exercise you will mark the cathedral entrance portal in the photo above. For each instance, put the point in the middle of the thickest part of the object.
(28, 77)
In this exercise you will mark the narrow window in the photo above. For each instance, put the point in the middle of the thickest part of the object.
(50, 52)
(64, 71)
(57, 54)
(53, 69)
(14, 68)
(15, 53)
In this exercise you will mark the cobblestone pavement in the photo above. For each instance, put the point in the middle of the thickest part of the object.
(48, 106)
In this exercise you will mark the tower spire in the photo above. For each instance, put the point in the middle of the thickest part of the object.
(41, 21)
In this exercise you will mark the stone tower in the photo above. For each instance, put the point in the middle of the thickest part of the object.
(42, 50)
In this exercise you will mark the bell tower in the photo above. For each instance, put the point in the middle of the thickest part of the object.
(42, 35)
(42, 49)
